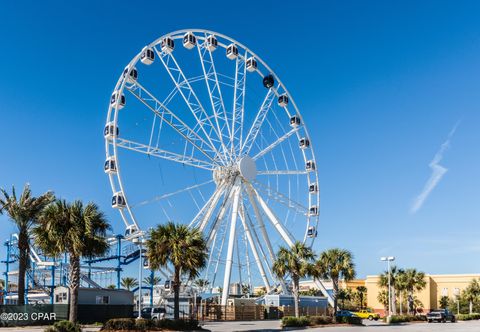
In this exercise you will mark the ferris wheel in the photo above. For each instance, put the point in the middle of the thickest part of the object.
(200, 130)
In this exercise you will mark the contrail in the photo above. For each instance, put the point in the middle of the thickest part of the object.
(438, 171)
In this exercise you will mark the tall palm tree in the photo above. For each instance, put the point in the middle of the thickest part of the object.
(201, 284)
(395, 274)
(361, 292)
(128, 283)
(182, 247)
(472, 293)
(382, 297)
(400, 286)
(296, 262)
(23, 212)
(344, 294)
(76, 229)
(414, 282)
(151, 281)
(335, 264)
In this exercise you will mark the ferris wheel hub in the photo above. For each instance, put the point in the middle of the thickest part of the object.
(247, 168)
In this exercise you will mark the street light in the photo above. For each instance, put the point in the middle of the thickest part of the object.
(388, 259)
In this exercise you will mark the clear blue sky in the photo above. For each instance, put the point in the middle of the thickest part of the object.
(381, 85)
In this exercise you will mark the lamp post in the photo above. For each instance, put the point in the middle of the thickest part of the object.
(388, 259)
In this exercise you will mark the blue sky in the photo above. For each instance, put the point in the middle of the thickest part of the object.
(381, 84)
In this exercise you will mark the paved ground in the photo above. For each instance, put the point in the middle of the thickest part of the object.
(471, 326)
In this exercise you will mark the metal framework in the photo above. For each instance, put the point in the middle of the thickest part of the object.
(212, 117)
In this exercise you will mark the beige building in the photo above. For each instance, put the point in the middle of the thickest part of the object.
(438, 285)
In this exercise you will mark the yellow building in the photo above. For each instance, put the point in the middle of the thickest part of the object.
(437, 285)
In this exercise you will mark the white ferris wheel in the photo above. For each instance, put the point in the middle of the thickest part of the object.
(201, 131)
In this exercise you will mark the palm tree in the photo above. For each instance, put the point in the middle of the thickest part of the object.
(444, 301)
(361, 291)
(335, 264)
(414, 281)
(129, 283)
(246, 289)
(23, 212)
(112, 286)
(400, 286)
(296, 262)
(201, 284)
(471, 293)
(151, 281)
(395, 274)
(76, 229)
(382, 297)
(181, 246)
(344, 294)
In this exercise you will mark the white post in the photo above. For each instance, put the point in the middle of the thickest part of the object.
(140, 272)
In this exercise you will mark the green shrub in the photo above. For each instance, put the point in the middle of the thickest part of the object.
(291, 321)
(120, 324)
(320, 320)
(349, 320)
(473, 316)
(178, 325)
(405, 318)
(64, 326)
(144, 324)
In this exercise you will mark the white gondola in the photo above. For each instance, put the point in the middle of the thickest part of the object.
(232, 51)
(130, 230)
(251, 64)
(310, 166)
(313, 188)
(110, 130)
(117, 97)
(167, 45)
(118, 200)
(212, 43)
(189, 40)
(313, 211)
(312, 232)
(110, 166)
(268, 81)
(148, 56)
(283, 100)
(295, 121)
(131, 74)
(304, 143)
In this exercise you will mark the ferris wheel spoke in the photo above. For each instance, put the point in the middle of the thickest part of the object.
(259, 119)
(281, 198)
(228, 197)
(284, 233)
(276, 143)
(211, 208)
(213, 86)
(238, 103)
(220, 250)
(253, 248)
(163, 154)
(192, 101)
(164, 196)
(170, 118)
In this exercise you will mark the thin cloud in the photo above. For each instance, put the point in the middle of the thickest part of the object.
(438, 171)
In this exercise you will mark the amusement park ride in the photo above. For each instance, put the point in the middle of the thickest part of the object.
(201, 131)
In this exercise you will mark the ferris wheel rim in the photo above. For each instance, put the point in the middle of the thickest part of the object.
(120, 86)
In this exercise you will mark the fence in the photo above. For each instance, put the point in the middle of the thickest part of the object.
(217, 312)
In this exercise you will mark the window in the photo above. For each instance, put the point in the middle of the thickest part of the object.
(445, 291)
(102, 299)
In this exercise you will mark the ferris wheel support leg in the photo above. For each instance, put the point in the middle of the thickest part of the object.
(211, 208)
(248, 235)
(231, 241)
(274, 220)
(223, 209)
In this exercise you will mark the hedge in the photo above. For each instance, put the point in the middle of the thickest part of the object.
(473, 316)
(122, 324)
(302, 321)
(405, 318)
(63, 326)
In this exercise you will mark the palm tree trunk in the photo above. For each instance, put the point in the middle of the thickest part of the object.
(74, 286)
(394, 301)
(176, 294)
(335, 301)
(401, 302)
(22, 265)
(470, 307)
(295, 296)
